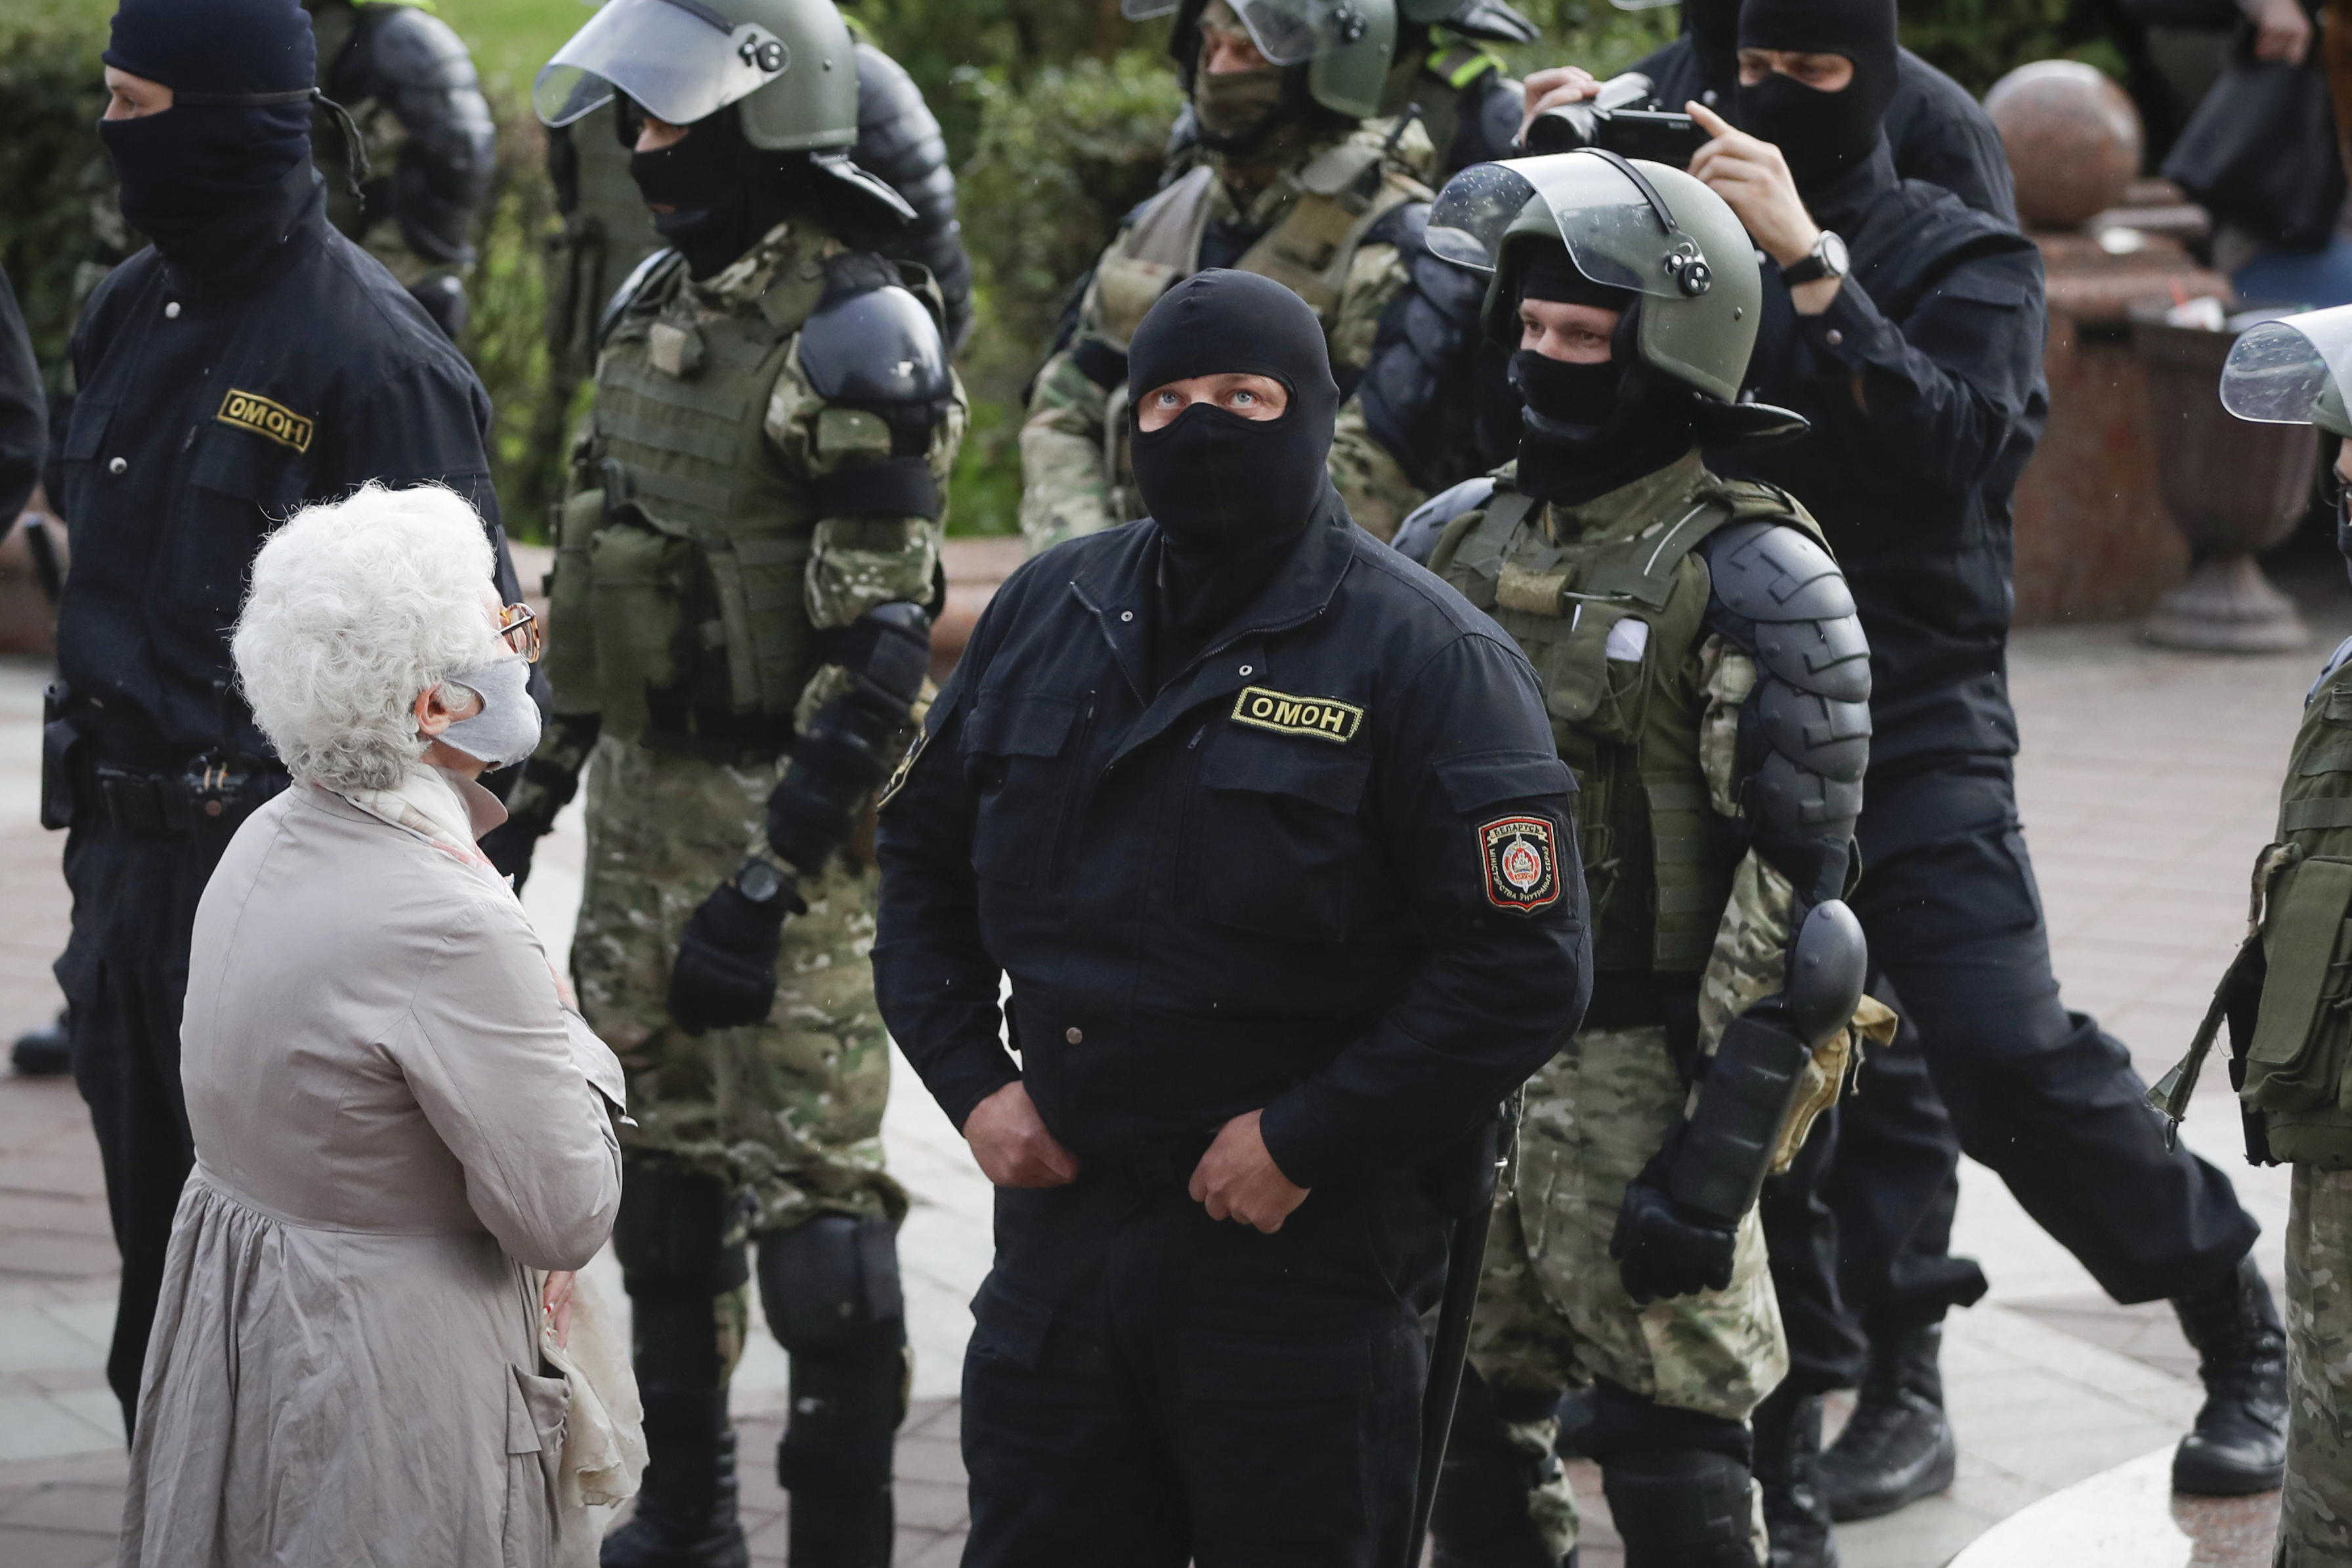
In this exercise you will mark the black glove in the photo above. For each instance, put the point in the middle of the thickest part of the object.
(725, 975)
(1661, 1248)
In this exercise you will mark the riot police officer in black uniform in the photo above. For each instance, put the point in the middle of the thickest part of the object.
(1268, 829)
(250, 361)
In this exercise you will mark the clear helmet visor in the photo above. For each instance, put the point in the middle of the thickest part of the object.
(1614, 234)
(1286, 32)
(682, 60)
(2278, 371)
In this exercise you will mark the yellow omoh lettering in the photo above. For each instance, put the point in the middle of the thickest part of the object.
(272, 421)
(1325, 718)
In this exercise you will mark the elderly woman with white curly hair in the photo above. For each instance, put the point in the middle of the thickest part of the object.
(399, 1122)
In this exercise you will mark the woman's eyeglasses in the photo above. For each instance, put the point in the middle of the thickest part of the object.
(518, 629)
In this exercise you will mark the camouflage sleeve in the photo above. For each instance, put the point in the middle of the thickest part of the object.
(1367, 479)
(1751, 944)
(1066, 486)
(857, 563)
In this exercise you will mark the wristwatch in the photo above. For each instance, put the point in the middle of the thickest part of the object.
(1826, 259)
(758, 880)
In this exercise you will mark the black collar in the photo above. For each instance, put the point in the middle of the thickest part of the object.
(1848, 199)
(255, 244)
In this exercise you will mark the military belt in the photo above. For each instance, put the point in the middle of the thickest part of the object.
(154, 804)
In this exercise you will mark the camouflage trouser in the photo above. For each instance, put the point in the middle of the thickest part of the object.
(789, 1110)
(1553, 1312)
(2316, 1512)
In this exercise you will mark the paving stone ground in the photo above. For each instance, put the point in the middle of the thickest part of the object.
(2147, 779)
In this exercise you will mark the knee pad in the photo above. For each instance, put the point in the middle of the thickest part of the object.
(830, 1287)
(1682, 1509)
(830, 1290)
(1628, 1425)
(671, 1234)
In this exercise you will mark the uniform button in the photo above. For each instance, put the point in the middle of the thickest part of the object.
(1127, 615)
(119, 466)
(1249, 669)
(172, 311)
(1835, 337)
(1075, 1035)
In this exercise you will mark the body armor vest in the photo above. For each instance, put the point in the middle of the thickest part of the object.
(687, 555)
(2293, 1067)
(1658, 872)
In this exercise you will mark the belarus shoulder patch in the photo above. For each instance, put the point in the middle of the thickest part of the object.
(253, 412)
(1325, 718)
(1522, 863)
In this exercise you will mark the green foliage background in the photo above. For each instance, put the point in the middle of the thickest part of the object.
(1055, 113)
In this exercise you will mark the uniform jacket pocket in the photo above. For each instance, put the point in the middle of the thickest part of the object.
(1013, 744)
(2297, 1057)
(1272, 840)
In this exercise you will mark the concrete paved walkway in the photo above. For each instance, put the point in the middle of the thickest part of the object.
(2149, 783)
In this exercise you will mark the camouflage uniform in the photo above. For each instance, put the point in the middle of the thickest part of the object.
(1312, 227)
(790, 1111)
(2315, 1513)
(1553, 1310)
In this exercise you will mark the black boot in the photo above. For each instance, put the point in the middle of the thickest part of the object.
(1899, 1447)
(842, 1530)
(2239, 1445)
(1682, 1509)
(1480, 1519)
(1788, 1468)
(42, 1052)
(686, 1505)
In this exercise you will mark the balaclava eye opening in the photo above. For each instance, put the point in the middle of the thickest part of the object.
(1821, 135)
(1589, 429)
(1230, 496)
(242, 73)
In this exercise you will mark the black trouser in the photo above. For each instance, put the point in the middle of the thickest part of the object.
(124, 973)
(2039, 1094)
(1146, 1386)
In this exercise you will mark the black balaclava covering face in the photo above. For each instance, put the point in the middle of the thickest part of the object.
(726, 193)
(1230, 496)
(1591, 429)
(217, 151)
(1822, 134)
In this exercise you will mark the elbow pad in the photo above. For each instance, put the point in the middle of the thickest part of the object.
(1753, 1080)
(843, 754)
(1805, 731)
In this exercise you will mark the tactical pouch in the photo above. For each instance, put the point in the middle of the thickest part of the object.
(2297, 1059)
(641, 584)
(571, 660)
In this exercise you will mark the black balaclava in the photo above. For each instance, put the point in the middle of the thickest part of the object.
(1587, 430)
(726, 193)
(1230, 496)
(241, 72)
(1822, 134)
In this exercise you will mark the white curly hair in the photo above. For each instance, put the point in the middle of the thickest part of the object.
(357, 606)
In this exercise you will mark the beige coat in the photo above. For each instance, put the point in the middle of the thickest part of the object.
(395, 1121)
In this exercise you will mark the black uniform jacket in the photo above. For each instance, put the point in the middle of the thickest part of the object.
(1326, 871)
(208, 411)
(1923, 381)
(1938, 132)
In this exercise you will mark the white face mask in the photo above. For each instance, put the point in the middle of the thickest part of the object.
(506, 729)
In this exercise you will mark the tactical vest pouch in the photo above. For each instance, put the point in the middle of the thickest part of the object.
(1584, 686)
(641, 584)
(2297, 1058)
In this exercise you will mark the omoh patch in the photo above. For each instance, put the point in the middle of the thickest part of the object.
(272, 421)
(1522, 862)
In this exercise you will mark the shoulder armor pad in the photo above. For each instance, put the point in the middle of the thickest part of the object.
(877, 345)
(1418, 535)
(640, 281)
(410, 47)
(1767, 572)
(1828, 658)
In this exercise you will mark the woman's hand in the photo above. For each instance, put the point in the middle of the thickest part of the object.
(555, 1305)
